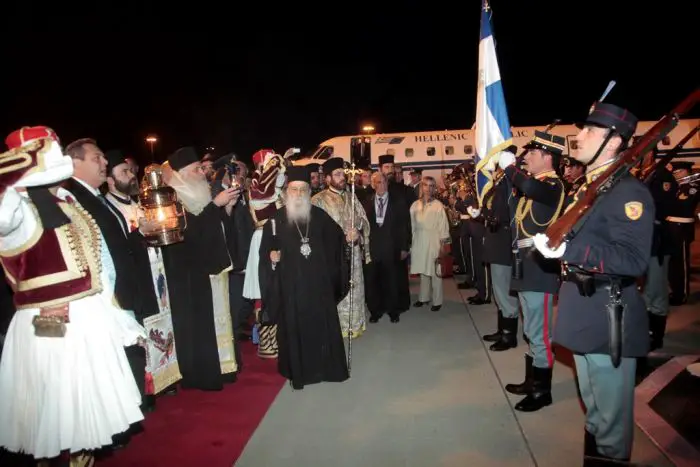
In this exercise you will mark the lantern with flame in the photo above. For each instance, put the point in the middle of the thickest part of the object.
(163, 221)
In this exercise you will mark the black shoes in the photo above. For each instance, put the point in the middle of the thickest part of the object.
(525, 387)
(540, 394)
(496, 336)
(508, 338)
(592, 458)
(419, 304)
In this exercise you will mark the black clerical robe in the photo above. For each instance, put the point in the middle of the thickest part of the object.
(188, 265)
(302, 295)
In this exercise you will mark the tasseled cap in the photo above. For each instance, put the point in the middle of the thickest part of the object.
(27, 134)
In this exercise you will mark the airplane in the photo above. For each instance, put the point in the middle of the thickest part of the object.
(437, 152)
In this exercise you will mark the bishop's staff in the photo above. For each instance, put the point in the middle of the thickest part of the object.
(352, 172)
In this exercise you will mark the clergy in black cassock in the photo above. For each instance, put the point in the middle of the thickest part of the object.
(303, 276)
(197, 271)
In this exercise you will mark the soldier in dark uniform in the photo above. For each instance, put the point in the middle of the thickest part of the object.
(601, 312)
(497, 253)
(664, 190)
(680, 229)
(540, 199)
(574, 174)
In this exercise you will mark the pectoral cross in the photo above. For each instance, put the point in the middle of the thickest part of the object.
(486, 6)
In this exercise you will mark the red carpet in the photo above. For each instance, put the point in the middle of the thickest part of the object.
(198, 428)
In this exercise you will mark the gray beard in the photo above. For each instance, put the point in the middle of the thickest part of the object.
(299, 212)
(194, 193)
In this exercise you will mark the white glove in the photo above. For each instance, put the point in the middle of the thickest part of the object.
(490, 165)
(473, 212)
(506, 159)
(540, 241)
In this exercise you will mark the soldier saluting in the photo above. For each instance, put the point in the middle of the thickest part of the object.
(601, 262)
(539, 201)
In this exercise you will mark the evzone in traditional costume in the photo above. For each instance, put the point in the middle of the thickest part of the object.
(265, 194)
(65, 383)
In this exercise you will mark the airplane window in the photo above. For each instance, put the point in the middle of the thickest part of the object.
(574, 144)
(666, 140)
(468, 149)
(325, 153)
(431, 151)
(409, 152)
(449, 150)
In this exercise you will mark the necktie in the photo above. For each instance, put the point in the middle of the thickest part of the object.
(381, 207)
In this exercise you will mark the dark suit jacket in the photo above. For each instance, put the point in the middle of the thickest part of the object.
(387, 242)
(134, 284)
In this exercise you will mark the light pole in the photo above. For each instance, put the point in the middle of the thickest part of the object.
(152, 140)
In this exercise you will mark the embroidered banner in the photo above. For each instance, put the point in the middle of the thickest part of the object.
(162, 368)
(222, 320)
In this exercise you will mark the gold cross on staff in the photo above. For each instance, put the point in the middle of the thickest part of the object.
(352, 171)
(486, 6)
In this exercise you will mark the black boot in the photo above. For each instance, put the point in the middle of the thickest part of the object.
(540, 395)
(657, 330)
(509, 336)
(592, 458)
(496, 336)
(524, 387)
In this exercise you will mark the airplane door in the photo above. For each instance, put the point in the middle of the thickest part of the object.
(361, 151)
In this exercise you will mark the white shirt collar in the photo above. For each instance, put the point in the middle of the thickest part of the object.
(92, 190)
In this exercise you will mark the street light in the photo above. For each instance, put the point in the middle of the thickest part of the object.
(152, 140)
(368, 129)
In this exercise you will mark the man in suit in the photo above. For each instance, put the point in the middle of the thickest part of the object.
(389, 244)
(133, 290)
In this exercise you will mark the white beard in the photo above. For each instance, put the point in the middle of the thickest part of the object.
(299, 209)
(193, 193)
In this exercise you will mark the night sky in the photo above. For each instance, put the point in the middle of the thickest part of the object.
(213, 74)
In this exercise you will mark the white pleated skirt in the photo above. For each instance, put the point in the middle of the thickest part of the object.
(73, 392)
(251, 284)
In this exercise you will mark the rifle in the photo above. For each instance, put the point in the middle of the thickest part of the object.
(568, 224)
(648, 170)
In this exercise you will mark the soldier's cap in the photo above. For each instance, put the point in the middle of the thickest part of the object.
(547, 142)
(298, 173)
(332, 164)
(386, 159)
(679, 165)
(570, 162)
(114, 158)
(416, 172)
(618, 119)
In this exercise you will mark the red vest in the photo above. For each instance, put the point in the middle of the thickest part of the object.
(56, 266)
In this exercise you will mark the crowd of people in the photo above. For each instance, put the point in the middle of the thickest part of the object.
(286, 256)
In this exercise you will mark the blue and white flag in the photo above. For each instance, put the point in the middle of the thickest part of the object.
(492, 127)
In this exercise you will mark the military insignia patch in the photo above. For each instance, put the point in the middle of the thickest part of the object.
(634, 210)
(667, 186)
